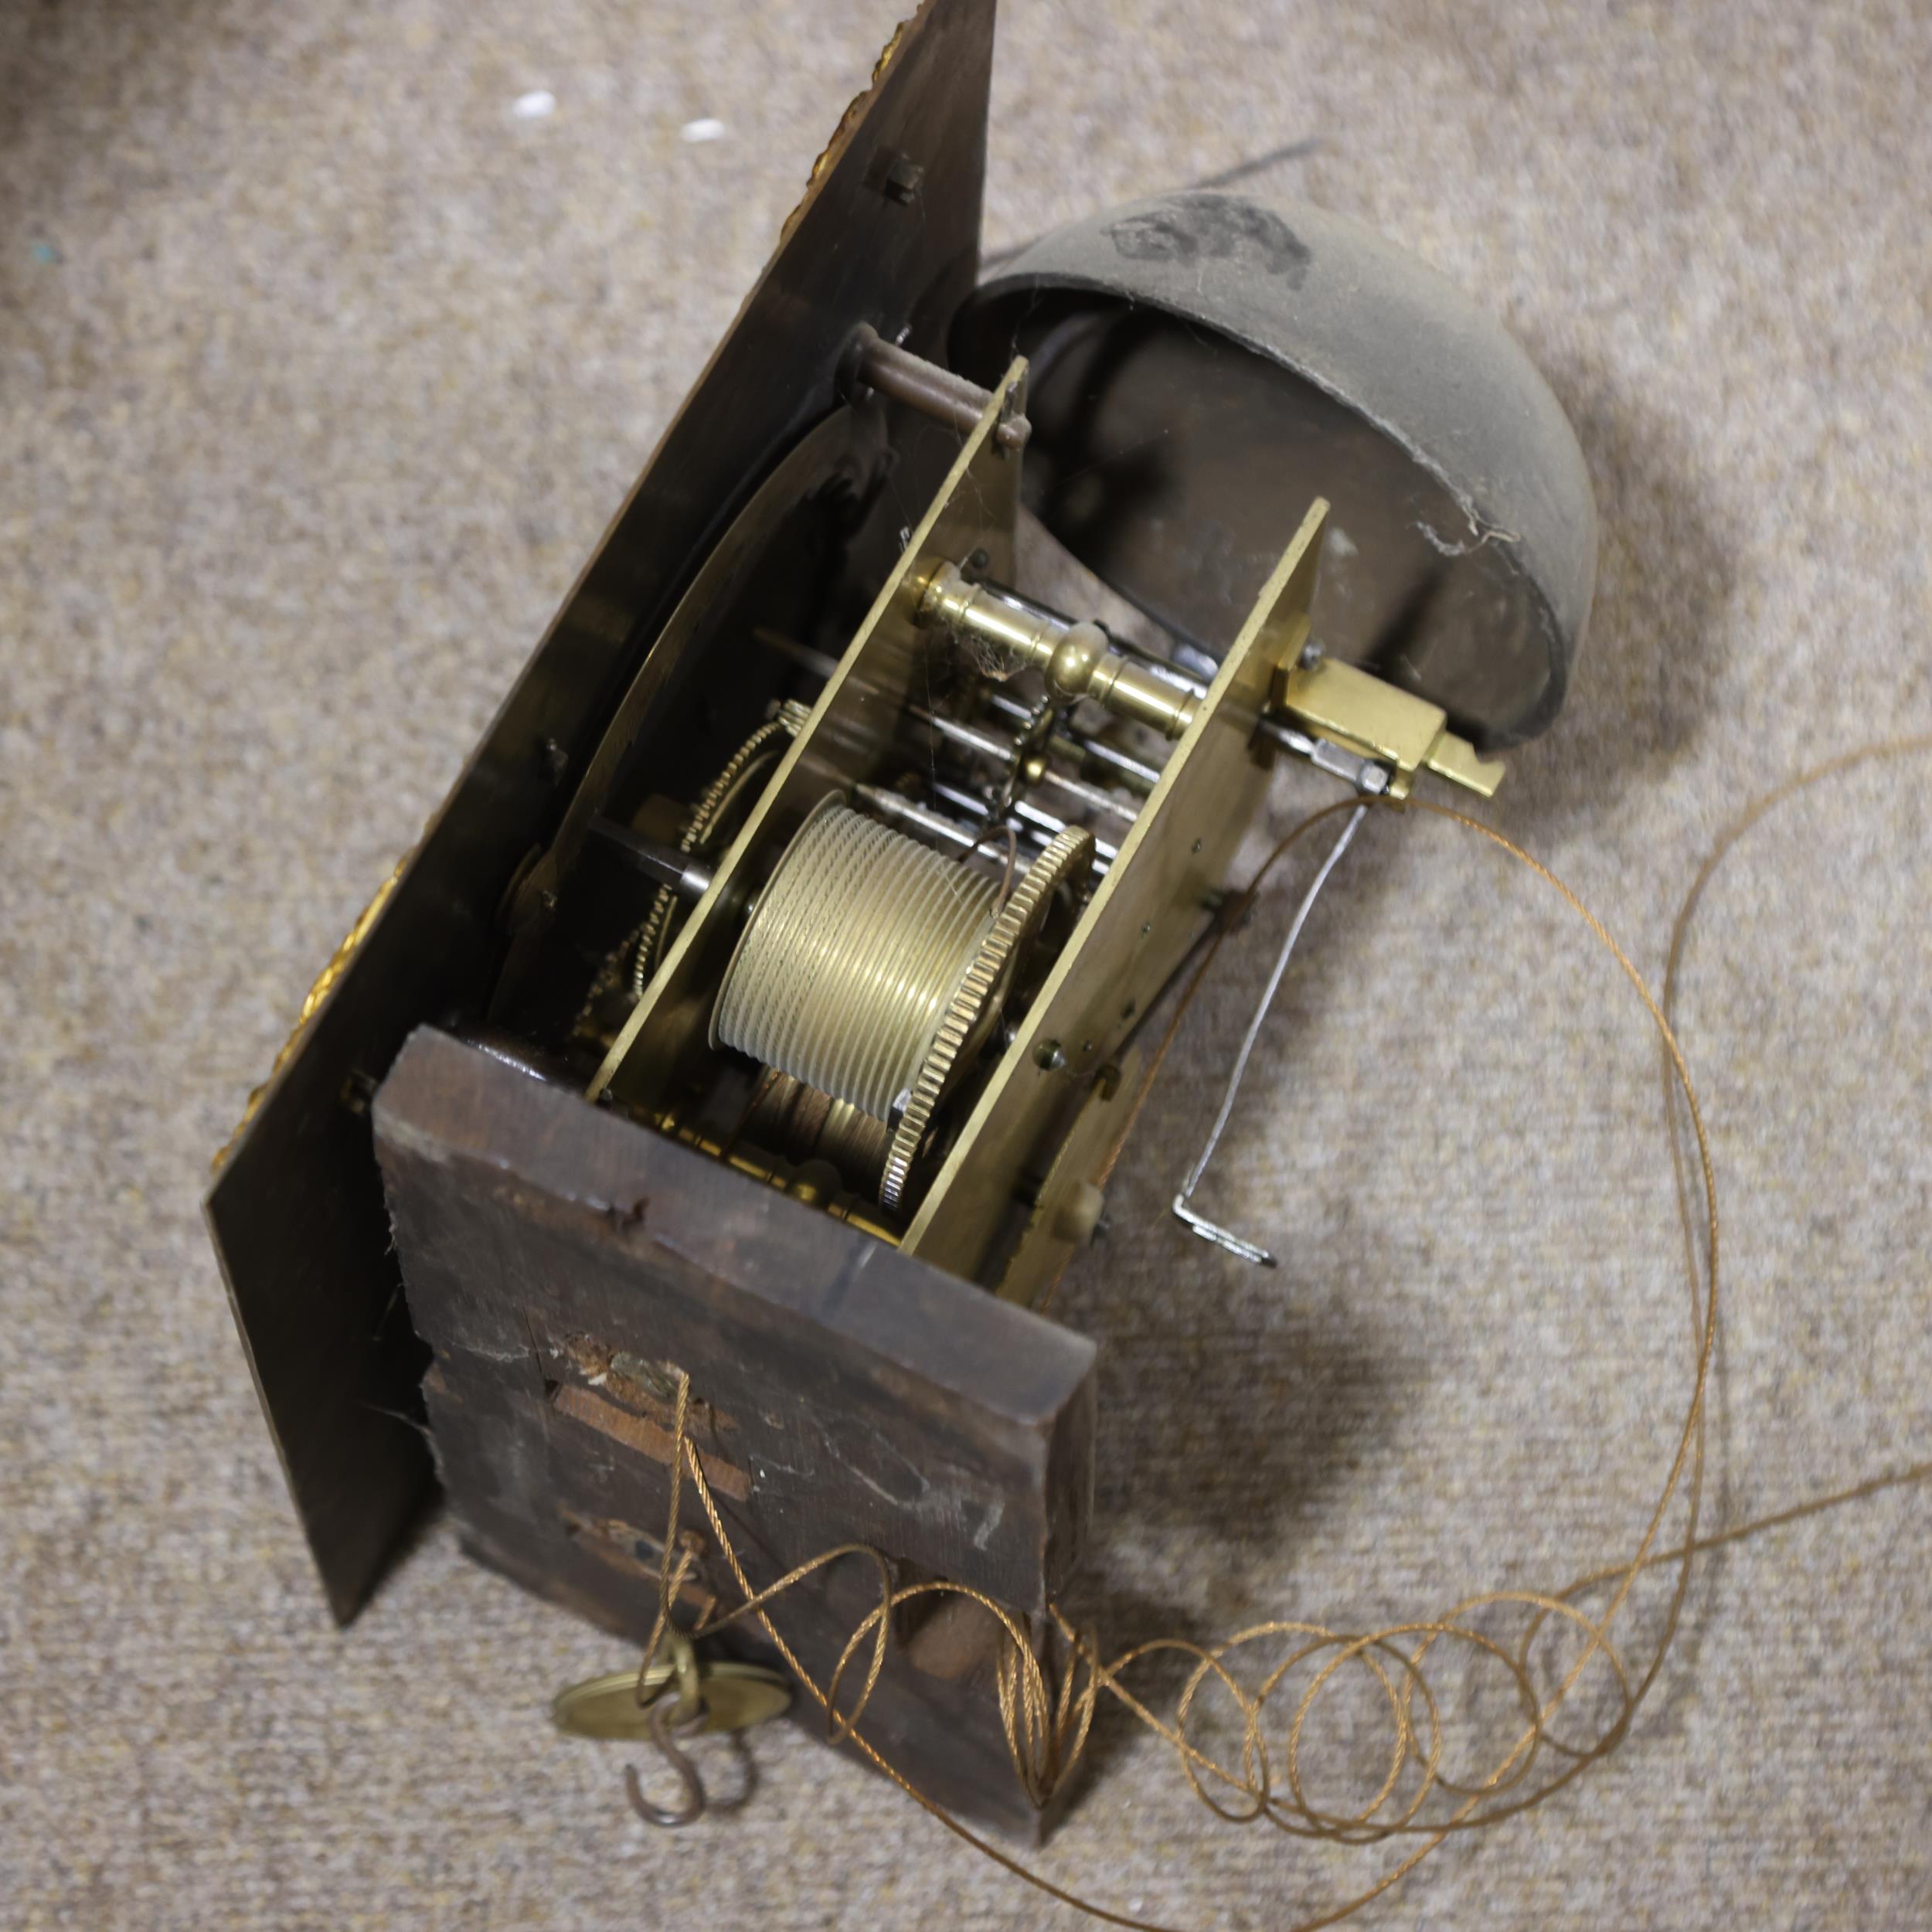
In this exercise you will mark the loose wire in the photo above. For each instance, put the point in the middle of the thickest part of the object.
(1047, 1703)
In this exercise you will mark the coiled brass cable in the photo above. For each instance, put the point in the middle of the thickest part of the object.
(845, 967)
(1048, 1725)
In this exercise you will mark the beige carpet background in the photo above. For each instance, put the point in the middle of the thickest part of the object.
(319, 371)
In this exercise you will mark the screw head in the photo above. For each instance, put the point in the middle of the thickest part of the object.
(902, 180)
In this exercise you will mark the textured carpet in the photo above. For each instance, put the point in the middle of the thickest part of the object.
(322, 367)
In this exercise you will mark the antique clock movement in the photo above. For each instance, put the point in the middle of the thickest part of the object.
(761, 1007)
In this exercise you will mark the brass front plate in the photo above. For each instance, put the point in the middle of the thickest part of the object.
(846, 741)
(1137, 926)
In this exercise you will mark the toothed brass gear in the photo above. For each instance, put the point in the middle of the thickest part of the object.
(711, 812)
(976, 1002)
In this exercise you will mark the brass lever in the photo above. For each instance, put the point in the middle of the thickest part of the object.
(1363, 714)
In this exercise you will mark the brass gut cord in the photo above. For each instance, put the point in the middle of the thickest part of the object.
(1047, 1705)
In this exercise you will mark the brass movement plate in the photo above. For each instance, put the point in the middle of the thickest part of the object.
(847, 741)
(1137, 926)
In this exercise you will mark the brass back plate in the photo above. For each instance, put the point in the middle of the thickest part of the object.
(1137, 926)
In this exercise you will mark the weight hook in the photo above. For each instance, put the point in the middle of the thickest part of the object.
(693, 1807)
